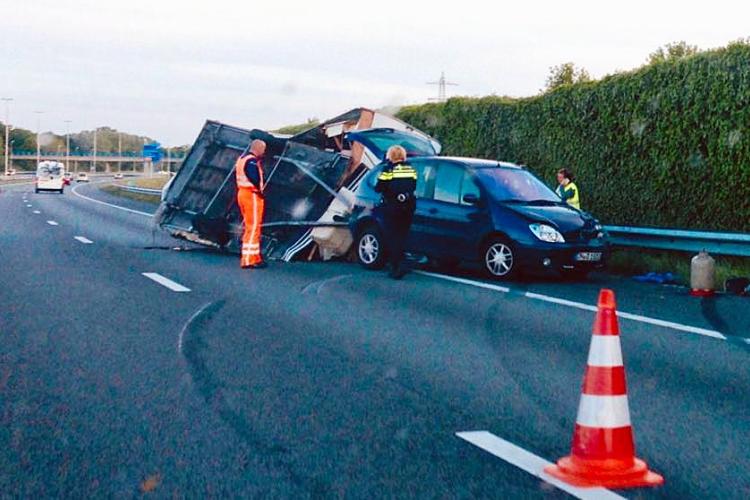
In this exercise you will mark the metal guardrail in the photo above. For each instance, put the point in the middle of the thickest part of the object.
(140, 190)
(737, 244)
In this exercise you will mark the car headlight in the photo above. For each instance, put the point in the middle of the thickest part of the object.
(546, 233)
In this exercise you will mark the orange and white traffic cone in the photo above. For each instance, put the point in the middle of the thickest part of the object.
(603, 453)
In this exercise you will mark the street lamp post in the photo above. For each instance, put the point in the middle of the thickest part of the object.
(93, 163)
(67, 144)
(38, 149)
(7, 130)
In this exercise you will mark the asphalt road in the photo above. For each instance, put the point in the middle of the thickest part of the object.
(322, 379)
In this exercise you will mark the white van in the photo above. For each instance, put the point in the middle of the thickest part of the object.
(50, 176)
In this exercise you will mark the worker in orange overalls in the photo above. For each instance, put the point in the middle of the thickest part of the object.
(250, 185)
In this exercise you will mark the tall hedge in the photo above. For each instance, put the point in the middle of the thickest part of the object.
(666, 145)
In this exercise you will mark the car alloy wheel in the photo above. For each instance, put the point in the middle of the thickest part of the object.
(369, 248)
(498, 259)
(370, 251)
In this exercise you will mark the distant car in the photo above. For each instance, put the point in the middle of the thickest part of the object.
(119, 176)
(50, 177)
(472, 210)
(82, 177)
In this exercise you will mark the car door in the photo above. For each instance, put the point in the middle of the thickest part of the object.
(452, 224)
(419, 234)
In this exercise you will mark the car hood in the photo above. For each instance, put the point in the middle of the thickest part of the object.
(561, 217)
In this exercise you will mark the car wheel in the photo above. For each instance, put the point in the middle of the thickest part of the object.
(499, 259)
(370, 248)
(36, 191)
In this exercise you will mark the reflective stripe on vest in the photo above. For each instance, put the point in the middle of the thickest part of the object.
(239, 171)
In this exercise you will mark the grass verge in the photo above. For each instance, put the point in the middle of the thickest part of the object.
(148, 198)
(637, 261)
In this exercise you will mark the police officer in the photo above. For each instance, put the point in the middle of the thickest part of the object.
(397, 183)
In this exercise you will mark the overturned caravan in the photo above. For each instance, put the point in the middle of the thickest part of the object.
(311, 179)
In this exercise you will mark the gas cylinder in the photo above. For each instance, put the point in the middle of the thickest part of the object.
(702, 273)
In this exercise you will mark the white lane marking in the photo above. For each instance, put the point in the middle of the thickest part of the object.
(37, 212)
(118, 207)
(605, 351)
(531, 463)
(83, 240)
(607, 412)
(166, 282)
(479, 284)
(586, 307)
(52, 223)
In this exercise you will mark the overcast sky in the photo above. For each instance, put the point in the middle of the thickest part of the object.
(160, 68)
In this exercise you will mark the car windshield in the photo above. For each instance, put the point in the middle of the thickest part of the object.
(516, 185)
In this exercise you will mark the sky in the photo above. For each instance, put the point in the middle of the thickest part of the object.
(162, 67)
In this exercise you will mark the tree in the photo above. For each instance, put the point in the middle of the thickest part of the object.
(566, 74)
(672, 52)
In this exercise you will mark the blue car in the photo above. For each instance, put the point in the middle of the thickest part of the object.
(493, 213)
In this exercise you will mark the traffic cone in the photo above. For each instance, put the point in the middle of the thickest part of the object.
(603, 453)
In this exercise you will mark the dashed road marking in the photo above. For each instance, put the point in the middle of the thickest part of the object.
(37, 212)
(530, 463)
(586, 307)
(83, 240)
(52, 223)
(166, 282)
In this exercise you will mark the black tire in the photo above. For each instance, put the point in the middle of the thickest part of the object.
(36, 190)
(370, 248)
(498, 259)
(62, 190)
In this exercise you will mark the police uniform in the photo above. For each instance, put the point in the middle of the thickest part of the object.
(397, 183)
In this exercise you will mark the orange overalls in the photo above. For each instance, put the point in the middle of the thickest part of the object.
(251, 202)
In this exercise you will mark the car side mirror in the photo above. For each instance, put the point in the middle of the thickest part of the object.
(472, 199)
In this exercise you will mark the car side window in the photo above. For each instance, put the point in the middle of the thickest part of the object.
(469, 186)
(448, 183)
(425, 179)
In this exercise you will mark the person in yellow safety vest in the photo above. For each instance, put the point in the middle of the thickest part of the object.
(567, 189)
(250, 187)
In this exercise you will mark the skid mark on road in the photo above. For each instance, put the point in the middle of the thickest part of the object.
(317, 286)
(199, 317)
(211, 389)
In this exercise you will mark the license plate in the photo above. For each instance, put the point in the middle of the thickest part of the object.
(589, 256)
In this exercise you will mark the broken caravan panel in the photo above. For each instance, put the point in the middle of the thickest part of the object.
(200, 205)
(200, 202)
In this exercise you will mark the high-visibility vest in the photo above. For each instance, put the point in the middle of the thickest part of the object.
(575, 200)
(239, 171)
